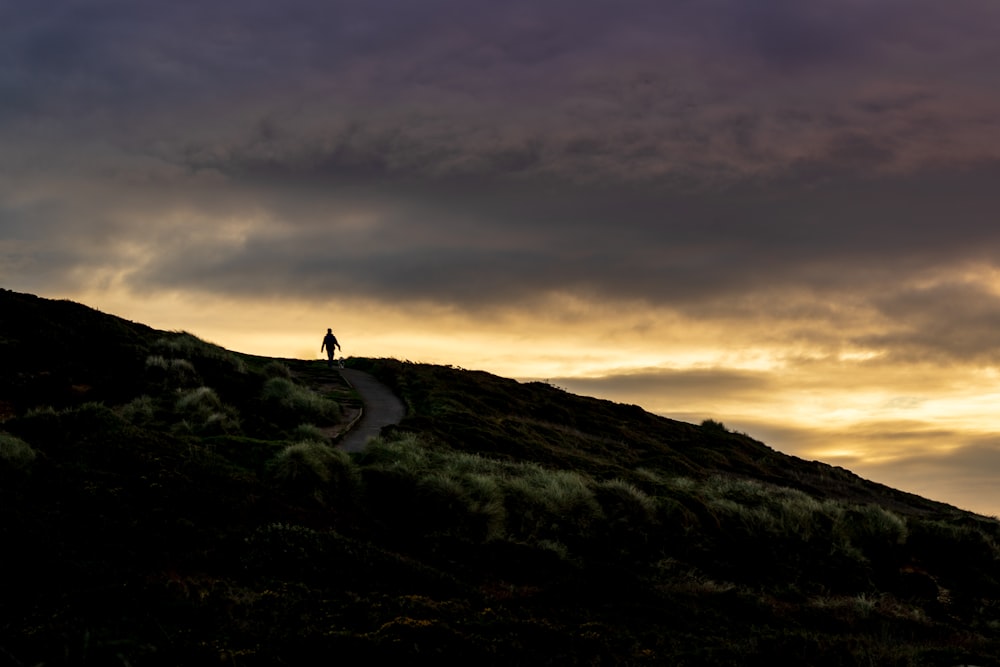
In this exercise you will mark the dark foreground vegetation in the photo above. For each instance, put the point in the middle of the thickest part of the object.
(167, 502)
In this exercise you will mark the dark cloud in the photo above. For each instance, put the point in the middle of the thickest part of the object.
(948, 322)
(812, 182)
(668, 385)
(964, 474)
(707, 157)
(790, 34)
(498, 88)
(973, 459)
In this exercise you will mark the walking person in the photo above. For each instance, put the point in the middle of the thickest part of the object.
(330, 344)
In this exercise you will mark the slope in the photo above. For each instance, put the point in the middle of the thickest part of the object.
(165, 501)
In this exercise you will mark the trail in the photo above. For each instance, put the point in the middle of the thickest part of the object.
(381, 408)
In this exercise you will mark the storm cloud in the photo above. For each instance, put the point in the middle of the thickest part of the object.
(713, 208)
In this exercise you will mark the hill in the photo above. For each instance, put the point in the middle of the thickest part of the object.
(165, 501)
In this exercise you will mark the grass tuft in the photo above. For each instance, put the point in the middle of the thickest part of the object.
(139, 411)
(202, 411)
(15, 454)
(309, 433)
(276, 369)
(316, 470)
(292, 403)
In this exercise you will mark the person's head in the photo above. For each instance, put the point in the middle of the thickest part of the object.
(329, 330)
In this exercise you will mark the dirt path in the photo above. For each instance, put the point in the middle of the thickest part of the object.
(381, 408)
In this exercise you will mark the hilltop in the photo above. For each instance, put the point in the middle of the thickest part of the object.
(166, 501)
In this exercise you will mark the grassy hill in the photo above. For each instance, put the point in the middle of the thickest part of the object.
(164, 501)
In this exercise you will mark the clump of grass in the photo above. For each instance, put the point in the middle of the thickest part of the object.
(15, 454)
(625, 494)
(292, 401)
(628, 517)
(139, 411)
(316, 470)
(276, 369)
(155, 361)
(309, 433)
(939, 542)
(199, 399)
(203, 411)
(569, 496)
(873, 528)
(482, 498)
(405, 453)
(443, 501)
(434, 492)
(715, 426)
(177, 372)
(303, 462)
(550, 504)
(184, 345)
(623, 501)
(486, 505)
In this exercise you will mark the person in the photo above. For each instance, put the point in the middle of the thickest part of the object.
(329, 344)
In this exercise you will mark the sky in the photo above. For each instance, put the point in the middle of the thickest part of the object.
(779, 214)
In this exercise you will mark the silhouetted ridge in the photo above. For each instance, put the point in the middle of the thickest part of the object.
(165, 501)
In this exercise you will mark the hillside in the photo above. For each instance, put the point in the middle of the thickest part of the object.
(164, 501)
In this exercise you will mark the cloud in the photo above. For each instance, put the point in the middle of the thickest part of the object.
(721, 90)
(722, 189)
(778, 214)
(962, 473)
(670, 384)
(950, 321)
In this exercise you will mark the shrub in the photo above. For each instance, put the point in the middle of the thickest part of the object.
(486, 505)
(304, 462)
(739, 490)
(713, 425)
(197, 400)
(183, 345)
(464, 464)
(290, 401)
(309, 433)
(181, 371)
(177, 372)
(157, 362)
(316, 470)
(546, 504)
(139, 411)
(203, 412)
(442, 504)
(568, 496)
(407, 453)
(876, 530)
(276, 369)
(963, 555)
(91, 431)
(15, 454)
(623, 501)
(628, 519)
(95, 422)
(441, 492)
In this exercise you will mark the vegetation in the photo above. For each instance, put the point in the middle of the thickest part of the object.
(164, 501)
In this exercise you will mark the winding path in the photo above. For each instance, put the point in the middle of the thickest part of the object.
(381, 408)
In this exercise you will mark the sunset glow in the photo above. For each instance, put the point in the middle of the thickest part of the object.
(782, 216)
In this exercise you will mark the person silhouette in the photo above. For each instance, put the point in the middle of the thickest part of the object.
(330, 344)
